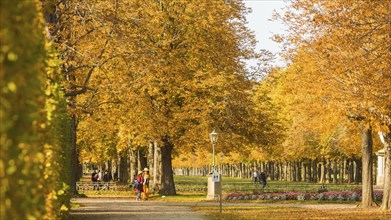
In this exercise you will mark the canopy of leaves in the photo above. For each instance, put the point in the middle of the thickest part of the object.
(350, 44)
(177, 70)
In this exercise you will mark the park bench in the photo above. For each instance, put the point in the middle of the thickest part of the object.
(82, 186)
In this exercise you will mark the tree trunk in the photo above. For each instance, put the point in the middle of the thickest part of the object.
(142, 159)
(328, 171)
(351, 169)
(386, 204)
(358, 175)
(322, 172)
(309, 174)
(286, 171)
(168, 185)
(299, 171)
(150, 159)
(294, 171)
(124, 175)
(335, 171)
(271, 172)
(133, 164)
(127, 177)
(108, 168)
(342, 170)
(239, 170)
(367, 181)
(74, 156)
(314, 166)
(157, 168)
(242, 175)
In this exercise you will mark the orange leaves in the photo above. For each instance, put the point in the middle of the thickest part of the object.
(339, 61)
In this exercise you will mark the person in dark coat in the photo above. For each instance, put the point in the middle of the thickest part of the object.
(106, 177)
(116, 176)
(93, 179)
(262, 179)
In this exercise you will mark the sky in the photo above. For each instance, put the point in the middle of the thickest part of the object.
(258, 21)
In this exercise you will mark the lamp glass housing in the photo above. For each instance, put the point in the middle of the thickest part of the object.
(213, 137)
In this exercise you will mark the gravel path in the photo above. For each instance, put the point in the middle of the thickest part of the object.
(121, 209)
(125, 208)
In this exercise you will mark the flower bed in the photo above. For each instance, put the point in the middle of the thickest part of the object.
(322, 196)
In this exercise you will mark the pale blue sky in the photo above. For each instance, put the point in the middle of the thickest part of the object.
(258, 21)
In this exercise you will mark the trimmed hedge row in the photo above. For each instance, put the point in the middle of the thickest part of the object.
(34, 156)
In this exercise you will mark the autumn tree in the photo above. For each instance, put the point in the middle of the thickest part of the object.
(82, 32)
(350, 41)
(185, 75)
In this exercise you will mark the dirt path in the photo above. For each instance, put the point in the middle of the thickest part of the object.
(121, 209)
(125, 208)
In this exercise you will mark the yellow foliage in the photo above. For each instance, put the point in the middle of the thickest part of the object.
(28, 117)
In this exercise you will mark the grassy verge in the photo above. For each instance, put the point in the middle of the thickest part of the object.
(180, 197)
(200, 197)
(249, 213)
(75, 205)
(107, 193)
(231, 184)
(183, 197)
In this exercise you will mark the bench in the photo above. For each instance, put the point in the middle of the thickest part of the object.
(82, 186)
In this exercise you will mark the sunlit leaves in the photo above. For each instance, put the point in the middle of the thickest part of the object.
(178, 75)
(33, 158)
(349, 41)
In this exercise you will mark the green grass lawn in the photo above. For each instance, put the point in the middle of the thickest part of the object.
(195, 188)
(199, 184)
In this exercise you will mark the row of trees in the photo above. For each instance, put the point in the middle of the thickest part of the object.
(335, 92)
(339, 70)
(338, 171)
(34, 155)
(169, 72)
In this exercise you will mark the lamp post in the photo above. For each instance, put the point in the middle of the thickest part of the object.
(213, 139)
(214, 182)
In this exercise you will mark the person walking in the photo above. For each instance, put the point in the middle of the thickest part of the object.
(106, 179)
(99, 176)
(99, 180)
(255, 176)
(146, 177)
(94, 179)
(116, 176)
(93, 176)
(262, 179)
(138, 184)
